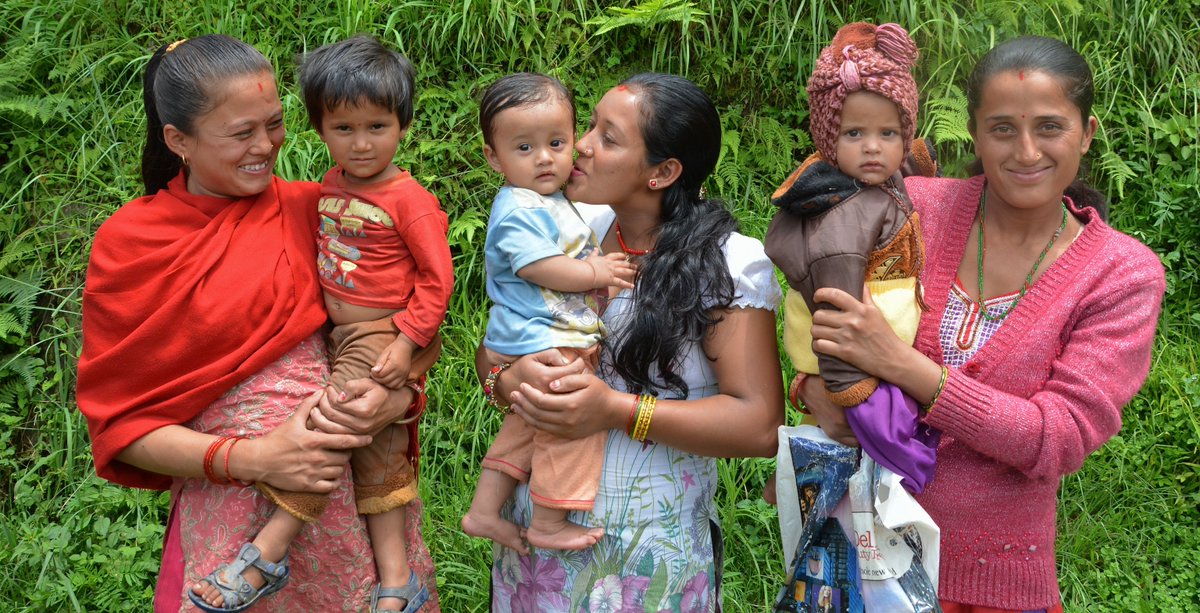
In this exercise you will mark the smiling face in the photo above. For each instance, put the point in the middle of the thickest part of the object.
(870, 147)
(231, 152)
(362, 138)
(611, 167)
(1030, 138)
(531, 145)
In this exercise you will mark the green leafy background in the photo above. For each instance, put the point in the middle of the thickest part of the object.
(72, 125)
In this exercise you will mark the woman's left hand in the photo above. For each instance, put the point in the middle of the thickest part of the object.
(855, 332)
(578, 406)
(364, 407)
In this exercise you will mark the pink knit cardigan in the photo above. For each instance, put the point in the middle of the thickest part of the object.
(1041, 395)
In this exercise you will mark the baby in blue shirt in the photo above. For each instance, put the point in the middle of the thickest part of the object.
(548, 282)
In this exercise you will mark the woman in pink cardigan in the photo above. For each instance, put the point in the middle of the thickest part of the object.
(1039, 329)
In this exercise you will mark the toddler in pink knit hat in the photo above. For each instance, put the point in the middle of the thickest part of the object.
(845, 222)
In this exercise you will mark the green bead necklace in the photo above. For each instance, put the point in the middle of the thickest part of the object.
(1028, 278)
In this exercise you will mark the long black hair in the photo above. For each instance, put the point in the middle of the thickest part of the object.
(685, 278)
(177, 88)
(1064, 64)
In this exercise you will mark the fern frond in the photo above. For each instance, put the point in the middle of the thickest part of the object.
(1115, 168)
(464, 227)
(15, 251)
(17, 63)
(10, 391)
(948, 115)
(27, 368)
(19, 295)
(646, 14)
(41, 108)
(10, 325)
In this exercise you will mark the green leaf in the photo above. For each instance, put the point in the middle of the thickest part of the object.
(949, 117)
(658, 586)
(646, 14)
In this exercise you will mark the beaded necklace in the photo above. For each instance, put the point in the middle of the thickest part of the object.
(1028, 278)
(625, 248)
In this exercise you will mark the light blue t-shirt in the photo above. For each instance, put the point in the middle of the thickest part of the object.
(525, 227)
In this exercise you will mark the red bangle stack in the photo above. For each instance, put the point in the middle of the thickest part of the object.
(228, 475)
(210, 457)
(632, 415)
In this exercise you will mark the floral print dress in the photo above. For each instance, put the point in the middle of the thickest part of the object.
(332, 566)
(662, 546)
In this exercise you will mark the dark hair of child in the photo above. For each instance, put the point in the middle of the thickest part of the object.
(355, 71)
(519, 90)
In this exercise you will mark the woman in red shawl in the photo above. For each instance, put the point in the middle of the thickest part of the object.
(203, 357)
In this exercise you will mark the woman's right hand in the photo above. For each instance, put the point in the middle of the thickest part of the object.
(830, 417)
(577, 405)
(292, 457)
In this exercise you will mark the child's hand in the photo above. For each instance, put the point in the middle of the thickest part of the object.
(394, 363)
(611, 270)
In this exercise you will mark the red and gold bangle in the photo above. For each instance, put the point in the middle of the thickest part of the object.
(489, 387)
(210, 455)
(228, 475)
(633, 411)
(641, 426)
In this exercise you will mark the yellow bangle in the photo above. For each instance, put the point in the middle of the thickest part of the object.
(641, 426)
(938, 392)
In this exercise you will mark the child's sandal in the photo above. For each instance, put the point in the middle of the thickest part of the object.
(237, 593)
(414, 594)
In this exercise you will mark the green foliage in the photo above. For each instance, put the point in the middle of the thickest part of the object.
(71, 128)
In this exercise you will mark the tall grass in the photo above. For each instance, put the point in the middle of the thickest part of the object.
(70, 134)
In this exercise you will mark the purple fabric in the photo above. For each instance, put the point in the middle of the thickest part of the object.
(887, 427)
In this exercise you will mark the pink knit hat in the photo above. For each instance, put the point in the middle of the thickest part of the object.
(878, 59)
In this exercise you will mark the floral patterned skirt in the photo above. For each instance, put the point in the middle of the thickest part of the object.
(331, 560)
(660, 551)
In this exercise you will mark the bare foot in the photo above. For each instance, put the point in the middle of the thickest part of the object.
(497, 529)
(562, 534)
(212, 596)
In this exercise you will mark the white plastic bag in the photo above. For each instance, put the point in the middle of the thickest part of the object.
(856, 541)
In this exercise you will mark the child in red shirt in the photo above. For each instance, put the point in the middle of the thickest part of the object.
(385, 269)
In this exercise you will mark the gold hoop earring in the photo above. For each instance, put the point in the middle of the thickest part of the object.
(184, 158)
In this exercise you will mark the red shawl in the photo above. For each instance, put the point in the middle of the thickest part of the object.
(186, 297)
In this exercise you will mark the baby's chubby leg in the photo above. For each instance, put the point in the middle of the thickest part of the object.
(549, 529)
(483, 518)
